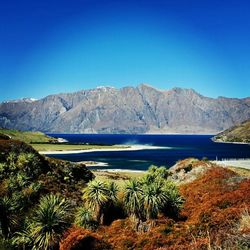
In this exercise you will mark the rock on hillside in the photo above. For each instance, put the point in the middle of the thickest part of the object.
(238, 133)
(188, 170)
(141, 109)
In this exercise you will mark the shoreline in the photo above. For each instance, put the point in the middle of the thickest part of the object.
(236, 163)
(147, 133)
(118, 170)
(93, 163)
(232, 142)
(80, 151)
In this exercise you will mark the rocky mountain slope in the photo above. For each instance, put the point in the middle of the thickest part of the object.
(238, 133)
(141, 109)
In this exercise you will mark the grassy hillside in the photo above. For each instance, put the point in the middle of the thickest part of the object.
(239, 133)
(26, 177)
(41, 142)
(25, 136)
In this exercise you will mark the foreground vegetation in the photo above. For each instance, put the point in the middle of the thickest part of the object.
(215, 215)
(33, 187)
(52, 204)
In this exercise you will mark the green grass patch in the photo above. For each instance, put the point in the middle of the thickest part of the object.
(118, 177)
(27, 136)
(65, 147)
(41, 142)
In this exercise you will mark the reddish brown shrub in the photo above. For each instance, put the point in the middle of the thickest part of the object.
(79, 238)
(214, 203)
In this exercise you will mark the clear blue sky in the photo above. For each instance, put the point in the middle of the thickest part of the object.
(53, 46)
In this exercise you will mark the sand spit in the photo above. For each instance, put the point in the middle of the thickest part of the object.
(80, 151)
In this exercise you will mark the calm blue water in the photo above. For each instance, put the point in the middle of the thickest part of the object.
(182, 146)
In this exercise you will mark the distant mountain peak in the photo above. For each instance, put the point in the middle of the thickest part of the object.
(105, 87)
(148, 87)
(145, 85)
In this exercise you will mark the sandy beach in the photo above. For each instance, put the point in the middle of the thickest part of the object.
(117, 170)
(129, 148)
(238, 163)
(232, 142)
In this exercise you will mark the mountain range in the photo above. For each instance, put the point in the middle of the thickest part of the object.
(134, 110)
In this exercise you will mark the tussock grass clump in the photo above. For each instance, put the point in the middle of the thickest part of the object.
(244, 223)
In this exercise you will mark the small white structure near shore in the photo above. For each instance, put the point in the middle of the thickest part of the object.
(62, 140)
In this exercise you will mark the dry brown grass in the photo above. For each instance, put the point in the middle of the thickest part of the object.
(244, 223)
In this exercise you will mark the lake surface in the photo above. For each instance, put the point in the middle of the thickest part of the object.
(180, 147)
